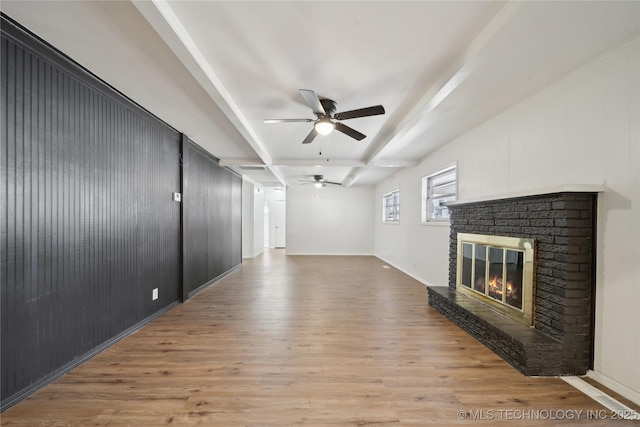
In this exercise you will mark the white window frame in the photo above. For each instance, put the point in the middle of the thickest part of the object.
(394, 198)
(434, 209)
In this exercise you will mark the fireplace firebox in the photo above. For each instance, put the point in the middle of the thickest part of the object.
(498, 270)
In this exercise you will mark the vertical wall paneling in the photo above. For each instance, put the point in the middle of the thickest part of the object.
(184, 293)
(88, 226)
(213, 218)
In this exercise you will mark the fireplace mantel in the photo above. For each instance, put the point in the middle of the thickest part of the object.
(564, 188)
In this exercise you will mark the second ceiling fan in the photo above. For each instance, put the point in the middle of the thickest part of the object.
(327, 117)
(318, 181)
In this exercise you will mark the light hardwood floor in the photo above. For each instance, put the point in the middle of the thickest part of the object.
(293, 340)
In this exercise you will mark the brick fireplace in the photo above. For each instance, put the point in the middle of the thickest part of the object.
(562, 224)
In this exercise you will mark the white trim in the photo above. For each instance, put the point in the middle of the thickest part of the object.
(618, 409)
(254, 255)
(425, 198)
(329, 254)
(442, 223)
(453, 165)
(424, 282)
(384, 206)
(614, 385)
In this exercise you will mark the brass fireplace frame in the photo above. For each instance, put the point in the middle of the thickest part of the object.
(527, 247)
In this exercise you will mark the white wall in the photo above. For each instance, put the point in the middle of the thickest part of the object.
(252, 219)
(582, 130)
(329, 220)
(409, 245)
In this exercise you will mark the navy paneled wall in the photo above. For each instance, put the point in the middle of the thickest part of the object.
(88, 227)
(212, 218)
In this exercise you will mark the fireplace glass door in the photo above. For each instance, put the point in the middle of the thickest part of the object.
(496, 271)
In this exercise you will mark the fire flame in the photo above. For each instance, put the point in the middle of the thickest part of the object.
(495, 286)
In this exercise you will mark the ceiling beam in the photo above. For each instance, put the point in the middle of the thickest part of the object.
(166, 23)
(241, 162)
(444, 86)
(381, 163)
(313, 162)
(390, 163)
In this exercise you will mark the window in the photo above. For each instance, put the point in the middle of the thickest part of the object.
(391, 207)
(437, 190)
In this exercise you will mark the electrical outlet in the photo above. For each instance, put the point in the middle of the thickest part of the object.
(154, 294)
(177, 197)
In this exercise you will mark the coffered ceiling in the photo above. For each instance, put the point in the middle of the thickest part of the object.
(216, 69)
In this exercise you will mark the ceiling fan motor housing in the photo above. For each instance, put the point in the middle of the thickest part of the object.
(329, 106)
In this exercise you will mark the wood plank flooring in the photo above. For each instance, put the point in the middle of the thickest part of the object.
(291, 341)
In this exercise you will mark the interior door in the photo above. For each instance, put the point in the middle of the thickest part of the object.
(278, 218)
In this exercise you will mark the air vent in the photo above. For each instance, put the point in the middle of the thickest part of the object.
(620, 410)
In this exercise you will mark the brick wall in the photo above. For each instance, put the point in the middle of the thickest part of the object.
(563, 226)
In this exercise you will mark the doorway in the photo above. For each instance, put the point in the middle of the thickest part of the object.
(277, 216)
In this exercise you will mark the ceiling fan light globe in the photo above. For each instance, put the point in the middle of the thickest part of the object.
(318, 185)
(324, 127)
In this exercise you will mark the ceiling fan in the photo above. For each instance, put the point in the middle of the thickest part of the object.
(327, 118)
(319, 182)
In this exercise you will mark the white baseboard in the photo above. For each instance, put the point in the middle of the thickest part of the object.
(419, 279)
(614, 385)
(327, 254)
(413, 276)
(245, 256)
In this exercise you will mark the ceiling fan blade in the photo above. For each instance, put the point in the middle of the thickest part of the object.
(312, 135)
(361, 112)
(313, 101)
(334, 183)
(287, 120)
(350, 131)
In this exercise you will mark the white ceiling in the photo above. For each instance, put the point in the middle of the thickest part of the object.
(215, 69)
